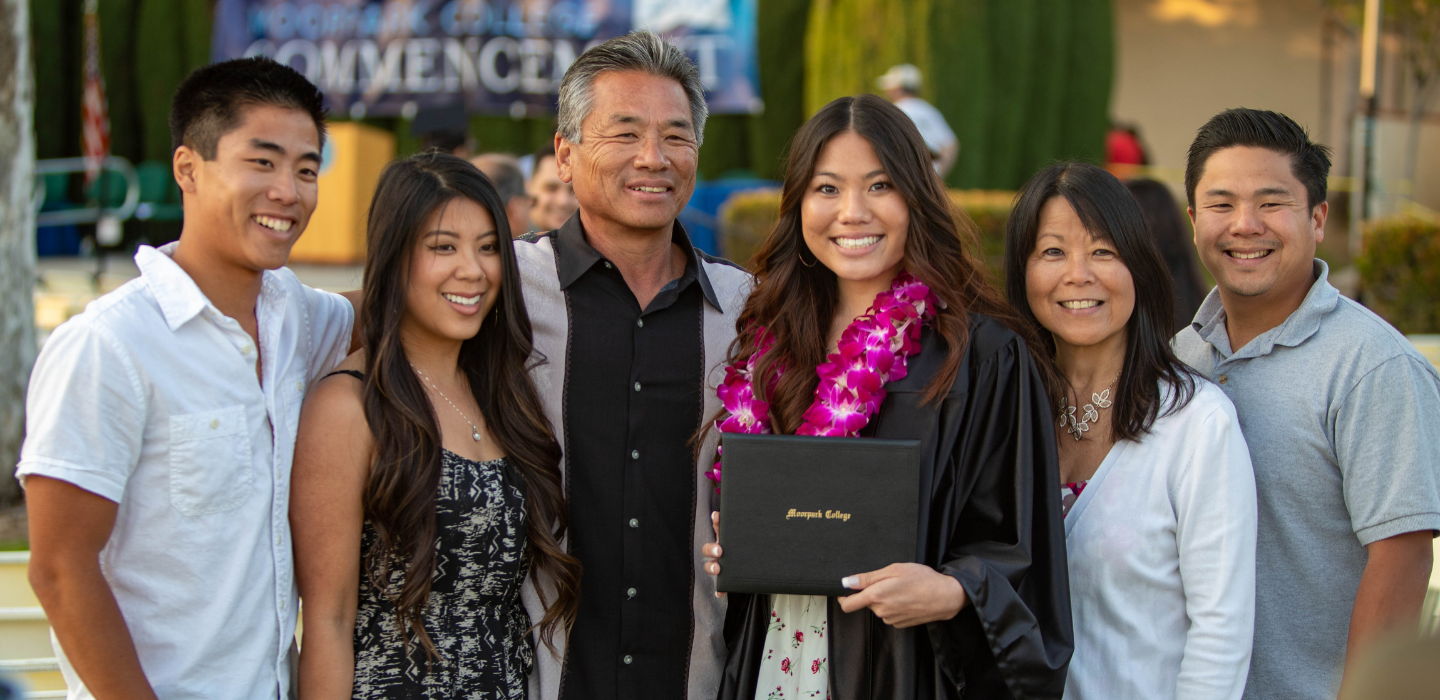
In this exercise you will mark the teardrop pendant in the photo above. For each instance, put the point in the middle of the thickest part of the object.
(475, 433)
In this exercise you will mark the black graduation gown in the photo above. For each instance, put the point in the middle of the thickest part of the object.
(989, 516)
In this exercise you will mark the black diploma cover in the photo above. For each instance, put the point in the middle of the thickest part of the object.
(797, 514)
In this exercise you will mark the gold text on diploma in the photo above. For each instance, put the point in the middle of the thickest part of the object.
(811, 514)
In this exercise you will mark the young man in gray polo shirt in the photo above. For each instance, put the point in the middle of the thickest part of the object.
(1339, 410)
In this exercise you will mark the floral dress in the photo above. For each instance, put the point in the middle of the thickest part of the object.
(1069, 493)
(474, 615)
(796, 662)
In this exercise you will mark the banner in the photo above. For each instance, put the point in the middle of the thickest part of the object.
(395, 57)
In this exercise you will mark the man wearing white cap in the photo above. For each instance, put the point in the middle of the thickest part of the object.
(902, 86)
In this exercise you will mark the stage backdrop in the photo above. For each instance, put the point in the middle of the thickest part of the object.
(394, 57)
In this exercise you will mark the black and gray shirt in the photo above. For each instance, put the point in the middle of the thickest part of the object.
(626, 388)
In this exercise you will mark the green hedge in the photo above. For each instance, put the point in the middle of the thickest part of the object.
(748, 217)
(1400, 273)
(1021, 82)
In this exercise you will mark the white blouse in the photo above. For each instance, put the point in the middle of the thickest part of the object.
(1161, 546)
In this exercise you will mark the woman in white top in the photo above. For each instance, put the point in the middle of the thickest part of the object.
(1158, 496)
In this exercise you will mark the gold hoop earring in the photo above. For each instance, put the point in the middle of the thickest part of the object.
(801, 256)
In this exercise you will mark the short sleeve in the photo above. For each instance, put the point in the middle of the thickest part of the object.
(84, 413)
(332, 323)
(1388, 446)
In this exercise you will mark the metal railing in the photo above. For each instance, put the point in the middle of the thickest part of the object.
(87, 215)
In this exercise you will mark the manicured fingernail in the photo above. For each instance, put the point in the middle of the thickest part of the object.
(850, 582)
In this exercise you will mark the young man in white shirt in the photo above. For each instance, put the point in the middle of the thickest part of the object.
(161, 421)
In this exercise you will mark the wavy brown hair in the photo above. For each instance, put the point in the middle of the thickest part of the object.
(400, 496)
(796, 302)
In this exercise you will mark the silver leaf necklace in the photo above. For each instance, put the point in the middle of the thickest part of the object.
(1077, 427)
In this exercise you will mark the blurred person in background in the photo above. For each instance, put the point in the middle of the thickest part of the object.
(1171, 233)
(1123, 147)
(504, 172)
(445, 129)
(554, 198)
(901, 85)
(1158, 493)
(1339, 409)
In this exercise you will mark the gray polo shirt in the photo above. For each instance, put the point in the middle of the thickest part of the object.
(1342, 417)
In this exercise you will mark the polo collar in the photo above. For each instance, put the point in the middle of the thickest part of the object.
(1297, 328)
(575, 256)
(180, 299)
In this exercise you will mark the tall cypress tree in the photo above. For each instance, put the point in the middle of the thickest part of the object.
(781, 32)
(962, 81)
(850, 43)
(1045, 110)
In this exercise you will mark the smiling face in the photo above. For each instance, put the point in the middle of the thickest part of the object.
(854, 220)
(1077, 286)
(249, 205)
(1254, 228)
(634, 169)
(455, 273)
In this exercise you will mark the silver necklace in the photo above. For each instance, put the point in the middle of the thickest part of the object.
(474, 431)
(1077, 427)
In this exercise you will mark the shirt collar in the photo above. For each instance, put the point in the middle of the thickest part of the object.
(575, 256)
(1297, 328)
(180, 299)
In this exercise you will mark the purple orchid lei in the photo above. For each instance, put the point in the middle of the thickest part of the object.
(874, 350)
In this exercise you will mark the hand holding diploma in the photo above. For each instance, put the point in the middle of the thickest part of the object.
(905, 595)
(712, 550)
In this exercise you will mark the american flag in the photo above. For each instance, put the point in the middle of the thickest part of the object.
(94, 114)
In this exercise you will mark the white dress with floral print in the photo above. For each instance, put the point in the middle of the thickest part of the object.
(796, 664)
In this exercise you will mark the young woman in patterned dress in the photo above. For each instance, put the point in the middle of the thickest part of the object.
(426, 481)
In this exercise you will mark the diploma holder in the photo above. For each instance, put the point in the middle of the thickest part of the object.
(799, 513)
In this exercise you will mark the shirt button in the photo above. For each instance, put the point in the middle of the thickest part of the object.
(245, 350)
(634, 522)
(300, 386)
(630, 592)
(637, 386)
(608, 266)
(214, 424)
(628, 659)
(634, 454)
(1224, 378)
(639, 323)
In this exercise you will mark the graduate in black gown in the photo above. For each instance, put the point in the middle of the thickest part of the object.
(986, 612)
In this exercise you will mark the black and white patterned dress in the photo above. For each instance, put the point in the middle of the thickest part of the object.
(474, 616)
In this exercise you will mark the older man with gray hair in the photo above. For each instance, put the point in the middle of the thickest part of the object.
(631, 323)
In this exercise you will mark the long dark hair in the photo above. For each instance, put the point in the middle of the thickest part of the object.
(400, 495)
(797, 302)
(1109, 213)
(1172, 236)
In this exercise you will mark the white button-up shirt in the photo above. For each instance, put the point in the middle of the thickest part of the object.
(150, 399)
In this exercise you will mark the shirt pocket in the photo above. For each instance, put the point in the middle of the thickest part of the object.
(210, 470)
